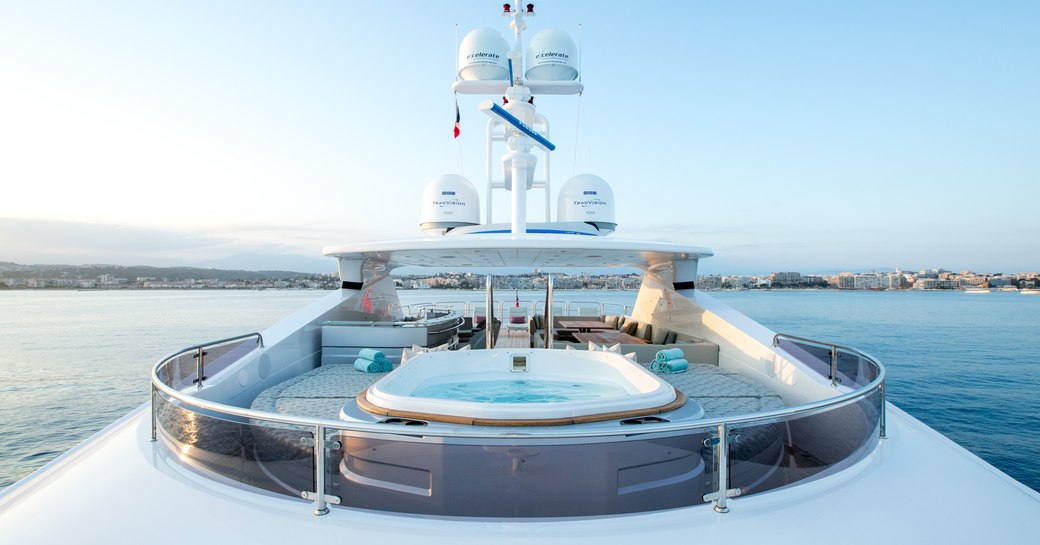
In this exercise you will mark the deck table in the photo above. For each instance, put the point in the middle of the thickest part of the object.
(608, 337)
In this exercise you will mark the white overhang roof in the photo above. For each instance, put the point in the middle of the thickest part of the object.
(467, 251)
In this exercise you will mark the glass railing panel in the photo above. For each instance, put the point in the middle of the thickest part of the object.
(180, 371)
(616, 309)
(278, 458)
(854, 370)
(815, 357)
(583, 308)
(518, 476)
(479, 313)
(220, 357)
(773, 454)
(558, 308)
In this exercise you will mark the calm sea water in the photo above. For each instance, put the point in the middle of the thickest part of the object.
(966, 364)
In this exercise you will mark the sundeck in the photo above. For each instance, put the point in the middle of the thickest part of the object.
(752, 409)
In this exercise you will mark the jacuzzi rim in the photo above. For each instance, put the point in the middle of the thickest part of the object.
(366, 405)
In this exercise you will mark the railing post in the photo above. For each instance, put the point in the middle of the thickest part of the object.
(723, 472)
(321, 500)
(722, 491)
(489, 298)
(834, 366)
(320, 506)
(549, 333)
(881, 389)
(200, 365)
(154, 422)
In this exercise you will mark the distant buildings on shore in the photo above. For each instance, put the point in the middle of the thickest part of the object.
(165, 284)
(932, 279)
(89, 277)
(529, 281)
(14, 276)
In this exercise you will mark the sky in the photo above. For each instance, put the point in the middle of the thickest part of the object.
(806, 136)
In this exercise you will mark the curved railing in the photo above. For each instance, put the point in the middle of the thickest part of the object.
(653, 465)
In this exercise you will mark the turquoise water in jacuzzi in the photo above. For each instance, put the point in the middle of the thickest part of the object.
(519, 391)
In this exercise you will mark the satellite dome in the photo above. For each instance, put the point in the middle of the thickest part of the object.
(587, 198)
(449, 201)
(482, 55)
(552, 56)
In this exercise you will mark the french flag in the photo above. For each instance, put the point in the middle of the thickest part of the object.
(457, 119)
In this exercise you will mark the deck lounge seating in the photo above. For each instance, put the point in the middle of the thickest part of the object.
(695, 350)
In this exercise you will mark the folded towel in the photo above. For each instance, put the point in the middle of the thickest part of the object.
(674, 366)
(386, 366)
(372, 355)
(368, 366)
(669, 354)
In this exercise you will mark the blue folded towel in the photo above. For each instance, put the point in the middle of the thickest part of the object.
(669, 354)
(372, 355)
(386, 366)
(368, 366)
(670, 366)
(674, 366)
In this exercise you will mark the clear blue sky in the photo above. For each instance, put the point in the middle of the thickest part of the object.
(803, 136)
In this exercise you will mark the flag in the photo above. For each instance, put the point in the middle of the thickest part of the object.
(457, 119)
(366, 302)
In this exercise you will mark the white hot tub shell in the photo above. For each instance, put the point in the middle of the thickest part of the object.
(642, 390)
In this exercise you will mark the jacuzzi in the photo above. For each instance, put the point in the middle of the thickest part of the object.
(520, 387)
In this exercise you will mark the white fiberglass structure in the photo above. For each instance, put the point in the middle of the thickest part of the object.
(584, 385)
(362, 419)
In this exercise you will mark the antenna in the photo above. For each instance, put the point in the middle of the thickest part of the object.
(495, 111)
(485, 62)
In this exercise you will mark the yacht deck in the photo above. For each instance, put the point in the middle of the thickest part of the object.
(322, 392)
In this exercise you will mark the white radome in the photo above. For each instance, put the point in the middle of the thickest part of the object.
(482, 55)
(449, 201)
(587, 198)
(552, 56)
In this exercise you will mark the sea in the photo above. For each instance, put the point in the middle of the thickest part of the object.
(966, 364)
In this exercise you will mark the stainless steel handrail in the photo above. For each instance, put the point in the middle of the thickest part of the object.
(778, 336)
(200, 364)
(806, 409)
(723, 424)
(834, 366)
(833, 350)
(260, 340)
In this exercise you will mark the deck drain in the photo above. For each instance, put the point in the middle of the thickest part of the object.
(404, 422)
(644, 420)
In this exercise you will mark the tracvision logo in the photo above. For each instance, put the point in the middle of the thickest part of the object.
(449, 202)
(589, 202)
